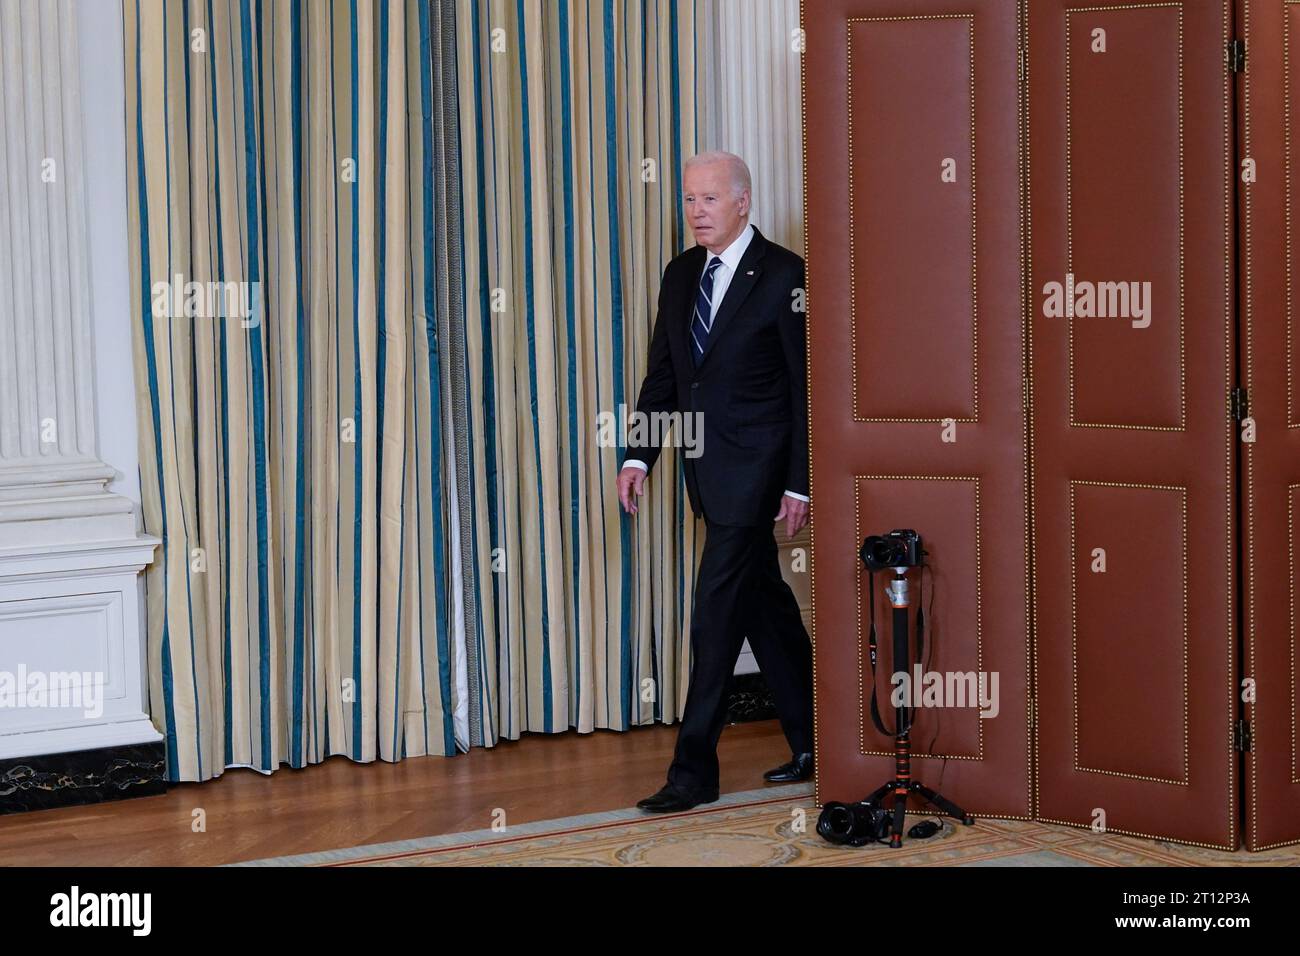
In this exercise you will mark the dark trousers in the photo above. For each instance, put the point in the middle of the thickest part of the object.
(739, 593)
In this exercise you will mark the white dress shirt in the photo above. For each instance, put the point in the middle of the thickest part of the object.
(730, 257)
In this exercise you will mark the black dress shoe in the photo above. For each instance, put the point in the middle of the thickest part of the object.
(671, 800)
(800, 768)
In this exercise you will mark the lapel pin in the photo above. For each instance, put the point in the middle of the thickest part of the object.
(750, 272)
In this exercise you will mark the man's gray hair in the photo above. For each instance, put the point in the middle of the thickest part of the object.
(740, 178)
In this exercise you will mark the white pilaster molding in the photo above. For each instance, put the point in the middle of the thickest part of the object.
(70, 555)
(53, 485)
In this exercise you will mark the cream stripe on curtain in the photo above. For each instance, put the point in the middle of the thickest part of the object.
(294, 463)
(575, 118)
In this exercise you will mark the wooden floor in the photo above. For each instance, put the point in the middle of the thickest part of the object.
(342, 804)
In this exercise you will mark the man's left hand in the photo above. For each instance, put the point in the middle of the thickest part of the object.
(795, 513)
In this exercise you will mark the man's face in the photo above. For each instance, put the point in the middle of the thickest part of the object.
(715, 212)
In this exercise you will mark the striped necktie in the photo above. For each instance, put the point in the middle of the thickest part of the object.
(702, 322)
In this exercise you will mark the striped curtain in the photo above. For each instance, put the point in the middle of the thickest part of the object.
(389, 528)
(293, 462)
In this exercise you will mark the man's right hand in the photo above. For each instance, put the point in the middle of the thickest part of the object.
(630, 479)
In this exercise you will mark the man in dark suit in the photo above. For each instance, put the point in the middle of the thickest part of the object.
(729, 348)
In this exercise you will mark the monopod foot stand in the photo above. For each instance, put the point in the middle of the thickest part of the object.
(902, 786)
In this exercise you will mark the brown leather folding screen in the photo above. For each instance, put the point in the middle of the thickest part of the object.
(1047, 242)
(1133, 456)
(916, 365)
(1268, 205)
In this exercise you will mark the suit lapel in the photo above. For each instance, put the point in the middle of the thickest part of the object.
(742, 283)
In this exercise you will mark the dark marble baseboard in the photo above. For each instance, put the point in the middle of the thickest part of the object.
(138, 770)
(748, 699)
(82, 776)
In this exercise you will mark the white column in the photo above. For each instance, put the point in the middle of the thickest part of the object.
(70, 553)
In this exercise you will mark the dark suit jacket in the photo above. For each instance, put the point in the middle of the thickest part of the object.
(751, 389)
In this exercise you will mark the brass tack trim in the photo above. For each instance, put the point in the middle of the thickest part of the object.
(853, 324)
(979, 642)
(1074, 667)
(1069, 225)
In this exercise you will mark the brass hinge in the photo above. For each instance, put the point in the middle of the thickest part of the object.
(1240, 404)
(1237, 56)
(1244, 738)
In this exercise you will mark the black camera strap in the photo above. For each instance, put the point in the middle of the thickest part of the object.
(873, 648)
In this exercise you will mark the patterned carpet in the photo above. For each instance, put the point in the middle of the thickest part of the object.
(776, 826)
